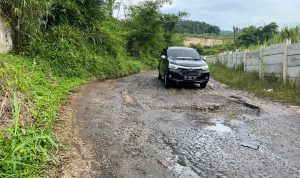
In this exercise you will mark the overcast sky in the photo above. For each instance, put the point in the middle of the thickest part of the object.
(240, 13)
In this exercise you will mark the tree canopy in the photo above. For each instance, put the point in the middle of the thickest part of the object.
(146, 30)
(256, 35)
(195, 27)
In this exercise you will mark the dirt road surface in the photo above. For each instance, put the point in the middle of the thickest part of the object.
(133, 127)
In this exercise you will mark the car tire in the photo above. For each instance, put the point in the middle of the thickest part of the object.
(203, 85)
(159, 76)
(166, 80)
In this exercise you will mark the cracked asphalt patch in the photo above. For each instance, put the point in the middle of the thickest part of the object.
(133, 127)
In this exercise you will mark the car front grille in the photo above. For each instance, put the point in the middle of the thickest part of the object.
(189, 72)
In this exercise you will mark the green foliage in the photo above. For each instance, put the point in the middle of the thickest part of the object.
(195, 27)
(252, 35)
(47, 83)
(248, 36)
(63, 45)
(177, 40)
(249, 81)
(83, 13)
(199, 48)
(22, 149)
(25, 18)
(267, 32)
(169, 22)
(150, 30)
(292, 33)
(146, 30)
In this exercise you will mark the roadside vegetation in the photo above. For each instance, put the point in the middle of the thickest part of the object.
(196, 28)
(270, 87)
(59, 46)
(253, 38)
(247, 38)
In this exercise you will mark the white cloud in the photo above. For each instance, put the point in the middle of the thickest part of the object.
(241, 13)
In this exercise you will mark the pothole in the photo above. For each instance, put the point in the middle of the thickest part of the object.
(129, 100)
(209, 122)
(250, 144)
(204, 123)
(220, 128)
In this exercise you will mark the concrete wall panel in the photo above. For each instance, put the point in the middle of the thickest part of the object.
(294, 71)
(273, 59)
(294, 49)
(275, 49)
(294, 60)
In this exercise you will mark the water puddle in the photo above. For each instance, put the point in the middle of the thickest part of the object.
(219, 126)
(204, 123)
(250, 144)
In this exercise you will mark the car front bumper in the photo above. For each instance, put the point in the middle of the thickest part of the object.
(192, 76)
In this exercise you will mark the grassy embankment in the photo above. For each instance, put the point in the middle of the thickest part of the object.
(247, 81)
(36, 85)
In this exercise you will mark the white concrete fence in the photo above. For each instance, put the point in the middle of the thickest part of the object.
(282, 60)
(5, 38)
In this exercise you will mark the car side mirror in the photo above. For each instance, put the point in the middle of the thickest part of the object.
(204, 59)
(163, 57)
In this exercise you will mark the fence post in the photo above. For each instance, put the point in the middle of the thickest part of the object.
(260, 69)
(285, 61)
(236, 56)
(245, 59)
(231, 65)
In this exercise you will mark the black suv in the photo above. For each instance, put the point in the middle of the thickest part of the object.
(182, 65)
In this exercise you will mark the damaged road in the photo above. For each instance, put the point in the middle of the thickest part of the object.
(133, 127)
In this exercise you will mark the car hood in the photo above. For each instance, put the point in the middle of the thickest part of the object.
(189, 63)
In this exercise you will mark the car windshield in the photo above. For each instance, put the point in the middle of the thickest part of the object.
(183, 54)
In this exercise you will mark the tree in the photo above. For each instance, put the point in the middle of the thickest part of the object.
(235, 30)
(248, 36)
(81, 13)
(195, 27)
(169, 22)
(150, 30)
(267, 32)
(252, 35)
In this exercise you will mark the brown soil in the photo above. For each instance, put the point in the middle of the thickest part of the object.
(202, 41)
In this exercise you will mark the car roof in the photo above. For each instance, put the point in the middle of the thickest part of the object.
(180, 47)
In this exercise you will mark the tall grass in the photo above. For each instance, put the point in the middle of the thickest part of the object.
(249, 81)
(58, 65)
(292, 33)
(23, 149)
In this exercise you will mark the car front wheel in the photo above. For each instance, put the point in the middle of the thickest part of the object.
(203, 85)
(159, 76)
(166, 80)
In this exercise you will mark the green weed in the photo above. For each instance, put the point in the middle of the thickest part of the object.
(23, 149)
(249, 81)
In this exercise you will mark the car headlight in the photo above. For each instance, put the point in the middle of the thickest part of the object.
(173, 66)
